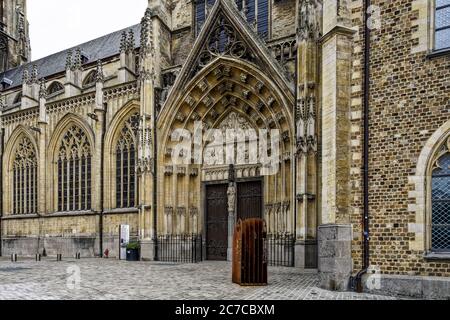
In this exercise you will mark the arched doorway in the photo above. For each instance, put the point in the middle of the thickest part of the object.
(194, 197)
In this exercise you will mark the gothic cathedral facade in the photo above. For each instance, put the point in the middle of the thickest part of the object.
(354, 96)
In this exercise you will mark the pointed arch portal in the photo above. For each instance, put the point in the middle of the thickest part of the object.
(228, 82)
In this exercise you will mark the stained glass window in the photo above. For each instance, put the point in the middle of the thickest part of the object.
(74, 171)
(442, 25)
(126, 187)
(25, 178)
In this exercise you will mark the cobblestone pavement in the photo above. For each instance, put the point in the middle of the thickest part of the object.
(112, 279)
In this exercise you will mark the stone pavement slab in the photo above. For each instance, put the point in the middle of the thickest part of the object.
(99, 279)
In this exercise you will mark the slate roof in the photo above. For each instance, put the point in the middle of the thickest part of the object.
(100, 48)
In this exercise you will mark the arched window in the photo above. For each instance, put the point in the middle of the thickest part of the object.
(55, 87)
(74, 171)
(440, 203)
(126, 186)
(90, 79)
(25, 178)
(442, 25)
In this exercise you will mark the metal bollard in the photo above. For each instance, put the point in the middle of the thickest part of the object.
(14, 257)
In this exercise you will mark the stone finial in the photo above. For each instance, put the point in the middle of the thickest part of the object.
(146, 31)
(123, 42)
(34, 74)
(77, 62)
(26, 76)
(130, 41)
(42, 89)
(69, 60)
(99, 75)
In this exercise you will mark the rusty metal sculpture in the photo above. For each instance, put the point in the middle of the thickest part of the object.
(249, 253)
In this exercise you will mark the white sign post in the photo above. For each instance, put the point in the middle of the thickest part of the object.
(124, 239)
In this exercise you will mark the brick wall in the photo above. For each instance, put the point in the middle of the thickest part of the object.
(409, 102)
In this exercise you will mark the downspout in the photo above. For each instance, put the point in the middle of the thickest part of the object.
(2, 140)
(366, 235)
(155, 181)
(102, 178)
(295, 148)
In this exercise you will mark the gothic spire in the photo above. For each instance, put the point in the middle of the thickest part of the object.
(146, 32)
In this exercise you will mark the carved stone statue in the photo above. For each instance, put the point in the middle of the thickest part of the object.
(231, 193)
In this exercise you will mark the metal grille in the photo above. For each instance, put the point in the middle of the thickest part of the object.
(441, 206)
(180, 248)
(280, 250)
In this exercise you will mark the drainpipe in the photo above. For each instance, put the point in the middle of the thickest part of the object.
(155, 181)
(295, 148)
(102, 178)
(2, 140)
(366, 235)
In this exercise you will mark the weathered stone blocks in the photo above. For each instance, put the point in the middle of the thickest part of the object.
(335, 261)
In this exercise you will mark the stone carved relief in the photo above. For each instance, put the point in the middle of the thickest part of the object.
(277, 216)
(306, 125)
(145, 147)
(231, 193)
(309, 27)
(234, 122)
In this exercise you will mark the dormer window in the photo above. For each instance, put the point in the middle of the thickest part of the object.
(90, 79)
(55, 88)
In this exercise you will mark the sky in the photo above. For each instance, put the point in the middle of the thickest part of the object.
(56, 25)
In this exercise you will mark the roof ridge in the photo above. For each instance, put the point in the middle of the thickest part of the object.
(68, 49)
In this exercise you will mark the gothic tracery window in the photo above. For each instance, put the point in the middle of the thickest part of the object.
(440, 202)
(74, 171)
(442, 25)
(25, 178)
(126, 186)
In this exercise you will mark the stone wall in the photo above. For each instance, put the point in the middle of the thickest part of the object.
(283, 18)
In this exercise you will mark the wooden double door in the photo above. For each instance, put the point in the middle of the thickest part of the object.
(249, 205)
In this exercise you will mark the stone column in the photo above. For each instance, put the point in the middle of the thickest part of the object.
(147, 134)
(308, 57)
(42, 142)
(335, 263)
(98, 156)
(231, 193)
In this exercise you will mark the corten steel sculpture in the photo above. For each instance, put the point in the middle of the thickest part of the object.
(249, 253)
